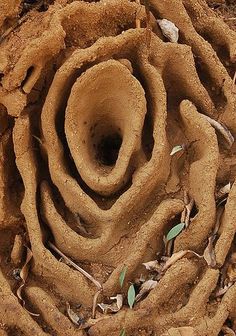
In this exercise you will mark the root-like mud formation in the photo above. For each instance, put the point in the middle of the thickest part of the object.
(92, 100)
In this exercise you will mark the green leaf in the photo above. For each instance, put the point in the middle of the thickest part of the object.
(175, 231)
(122, 333)
(176, 149)
(131, 296)
(122, 276)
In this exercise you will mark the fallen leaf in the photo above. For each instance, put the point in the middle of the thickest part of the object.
(176, 149)
(234, 80)
(222, 129)
(175, 231)
(24, 275)
(122, 276)
(72, 315)
(189, 208)
(169, 30)
(209, 253)
(152, 265)
(16, 274)
(146, 287)
(224, 190)
(223, 290)
(227, 331)
(114, 307)
(131, 296)
(119, 300)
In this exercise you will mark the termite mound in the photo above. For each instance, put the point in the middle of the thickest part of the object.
(93, 98)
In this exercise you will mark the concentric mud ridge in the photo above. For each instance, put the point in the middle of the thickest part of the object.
(93, 100)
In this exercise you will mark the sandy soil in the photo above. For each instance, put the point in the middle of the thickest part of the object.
(117, 168)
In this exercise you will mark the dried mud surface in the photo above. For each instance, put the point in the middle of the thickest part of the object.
(93, 98)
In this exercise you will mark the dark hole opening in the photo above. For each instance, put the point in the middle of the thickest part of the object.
(108, 149)
(27, 76)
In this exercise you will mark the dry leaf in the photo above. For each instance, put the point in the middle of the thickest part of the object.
(114, 307)
(169, 30)
(209, 253)
(176, 149)
(72, 315)
(152, 266)
(24, 275)
(222, 129)
(119, 300)
(224, 190)
(146, 287)
(228, 331)
(223, 290)
(16, 274)
(188, 207)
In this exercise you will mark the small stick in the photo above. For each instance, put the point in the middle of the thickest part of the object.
(184, 212)
(188, 207)
(95, 299)
(148, 25)
(183, 215)
(221, 128)
(137, 20)
(78, 268)
(233, 84)
(229, 19)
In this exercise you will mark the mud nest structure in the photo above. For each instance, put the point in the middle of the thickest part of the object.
(94, 101)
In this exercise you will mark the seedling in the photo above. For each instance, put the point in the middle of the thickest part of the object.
(175, 231)
(122, 276)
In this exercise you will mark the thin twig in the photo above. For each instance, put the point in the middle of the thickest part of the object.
(183, 215)
(221, 128)
(233, 84)
(189, 207)
(137, 20)
(184, 212)
(148, 24)
(78, 268)
(95, 299)
(229, 19)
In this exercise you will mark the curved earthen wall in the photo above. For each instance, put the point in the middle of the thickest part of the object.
(93, 98)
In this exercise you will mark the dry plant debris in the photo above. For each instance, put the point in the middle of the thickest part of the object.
(93, 97)
(169, 30)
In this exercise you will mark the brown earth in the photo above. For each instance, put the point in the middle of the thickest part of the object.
(93, 98)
